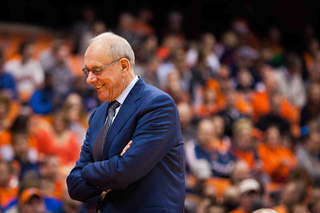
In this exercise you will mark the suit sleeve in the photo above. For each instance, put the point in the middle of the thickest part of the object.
(78, 188)
(157, 131)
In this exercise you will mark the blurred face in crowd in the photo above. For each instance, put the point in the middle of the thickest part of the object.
(4, 109)
(270, 81)
(243, 140)
(50, 168)
(247, 199)
(34, 205)
(5, 174)
(313, 143)
(28, 51)
(21, 146)
(205, 132)
(240, 172)
(300, 208)
(62, 54)
(210, 97)
(273, 137)
(245, 78)
(185, 113)
(314, 94)
(208, 42)
(231, 99)
(60, 123)
(275, 104)
(173, 80)
(313, 46)
(111, 82)
(126, 21)
(218, 123)
(290, 195)
(179, 61)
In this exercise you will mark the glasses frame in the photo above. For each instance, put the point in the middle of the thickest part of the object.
(86, 71)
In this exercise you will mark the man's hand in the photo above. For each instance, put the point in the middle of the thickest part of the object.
(126, 148)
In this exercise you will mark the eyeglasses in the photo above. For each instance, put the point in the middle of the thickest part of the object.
(98, 71)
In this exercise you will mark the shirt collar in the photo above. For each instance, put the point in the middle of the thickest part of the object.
(126, 91)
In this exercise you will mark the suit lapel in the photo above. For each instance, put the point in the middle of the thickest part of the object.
(126, 110)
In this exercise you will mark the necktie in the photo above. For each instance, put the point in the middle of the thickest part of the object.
(97, 151)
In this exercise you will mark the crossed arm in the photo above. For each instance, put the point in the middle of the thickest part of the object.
(154, 137)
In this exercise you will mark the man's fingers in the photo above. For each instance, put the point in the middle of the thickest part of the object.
(126, 148)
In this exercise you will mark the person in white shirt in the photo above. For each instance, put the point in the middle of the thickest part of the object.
(27, 71)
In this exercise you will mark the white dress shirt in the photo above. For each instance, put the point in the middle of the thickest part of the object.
(124, 95)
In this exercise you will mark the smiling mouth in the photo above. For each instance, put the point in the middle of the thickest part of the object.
(98, 87)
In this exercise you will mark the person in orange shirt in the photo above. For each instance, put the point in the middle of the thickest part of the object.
(51, 182)
(243, 147)
(277, 160)
(261, 100)
(59, 141)
(8, 193)
(250, 193)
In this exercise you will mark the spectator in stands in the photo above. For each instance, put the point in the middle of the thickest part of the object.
(261, 100)
(32, 201)
(244, 148)
(240, 172)
(245, 84)
(125, 29)
(22, 153)
(7, 81)
(310, 55)
(277, 160)
(175, 62)
(97, 28)
(307, 155)
(274, 116)
(175, 26)
(188, 128)
(149, 74)
(88, 15)
(204, 58)
(42, 100)
(77, 115)
(209, 105)
(51, 179)
(60, 141)
(231, 112)
(5, 122)
(62, 76)
(206, 149)
(250, 193)
(141, 26)
(290, 80)
(26, 71)
(219, 126)
(292, 194)
(174, 88)
(312, 108)
(8, 192)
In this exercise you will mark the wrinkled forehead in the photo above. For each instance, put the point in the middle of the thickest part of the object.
(98, 50)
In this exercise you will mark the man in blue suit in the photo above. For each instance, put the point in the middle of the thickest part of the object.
(145, 174)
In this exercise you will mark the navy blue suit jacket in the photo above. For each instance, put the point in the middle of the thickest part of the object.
(149, 177)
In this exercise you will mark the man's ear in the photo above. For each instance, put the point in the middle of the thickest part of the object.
(125, 64)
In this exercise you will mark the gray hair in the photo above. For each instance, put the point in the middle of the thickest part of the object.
(119, 47)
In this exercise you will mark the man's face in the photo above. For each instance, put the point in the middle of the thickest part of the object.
(111, 82)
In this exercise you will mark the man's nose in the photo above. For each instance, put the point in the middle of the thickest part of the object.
(90, 78)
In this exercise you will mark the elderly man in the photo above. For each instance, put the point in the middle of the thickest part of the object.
(112, 175)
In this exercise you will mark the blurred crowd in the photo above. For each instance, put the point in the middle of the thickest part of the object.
(249, 111)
